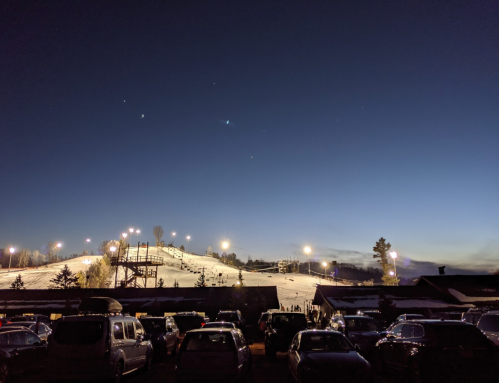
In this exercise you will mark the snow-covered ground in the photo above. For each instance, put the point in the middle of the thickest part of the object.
(292, 289)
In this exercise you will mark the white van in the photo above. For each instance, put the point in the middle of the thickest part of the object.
(97, 345)
(489, 324)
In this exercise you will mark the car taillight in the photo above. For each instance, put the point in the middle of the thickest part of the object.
(202, 324)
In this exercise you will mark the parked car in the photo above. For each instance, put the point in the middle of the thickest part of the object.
(32, 318)
(39, 328)
(473, 315)
(99, 344)
(189, 320)
(325, 356)
(405, 317)
(362, 331)
(444, 350)
(262, 322)
(375, 314)
(21, 352)
(489, 324)
(164, 334)
(219, 325)
(233, 316)
(281, 328)
(4, 320)
(219, 354)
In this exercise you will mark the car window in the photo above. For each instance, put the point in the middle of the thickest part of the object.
(331, 342)
(129, 330)
(362, 324)
(227, 317)
(204, 341)
(16, 339)
(418, 331)
(118, 331)
(459, 336)
(31, 338)
(397, 330)
(153, 326)
(79, 332)
(489, 323)
(407, 331)
(139, 329)
(293, 320)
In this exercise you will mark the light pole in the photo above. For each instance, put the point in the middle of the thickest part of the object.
(188, 239)
(113, 249)
(325, 265)
(394, 255)
(173, 240)
(307, 251)
(58, 246)
(124, 235)
(11, 251)
(131, 232)
(137, 231)
(88, 241)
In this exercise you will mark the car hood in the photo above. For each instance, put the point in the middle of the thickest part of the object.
(348, 362)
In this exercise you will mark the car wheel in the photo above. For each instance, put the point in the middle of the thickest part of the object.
(118, 373)
(175, 347)
(4, 373)
(148, 364)
(379, 363)
(415, 372)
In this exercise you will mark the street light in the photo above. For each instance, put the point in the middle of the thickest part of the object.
(225, 245)
(88, 241)
(124, 235)
(307, 251)
(131, 232)
(137, 231)
(12, 251)
(173, 241)
(188, 239)
(325, 265)
(113, 249)
(58, 246)
(394, 255)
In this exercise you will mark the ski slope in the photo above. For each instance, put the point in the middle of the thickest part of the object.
(183, 268)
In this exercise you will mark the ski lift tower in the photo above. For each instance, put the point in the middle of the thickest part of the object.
(137, 269)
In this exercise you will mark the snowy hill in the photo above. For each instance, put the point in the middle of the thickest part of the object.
(292, 289)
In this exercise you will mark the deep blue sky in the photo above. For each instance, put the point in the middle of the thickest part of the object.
(349, 120)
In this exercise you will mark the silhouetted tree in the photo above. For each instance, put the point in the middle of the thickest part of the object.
(18, 283)
(381, 251)
(65, 280)
(161, 283)
(175, 284)
(158, 233)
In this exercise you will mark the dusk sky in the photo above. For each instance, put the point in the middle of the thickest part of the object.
(274, 124)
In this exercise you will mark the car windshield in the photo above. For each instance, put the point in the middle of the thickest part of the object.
(219, 324)
(208, 341)
(79, 332)
(362, 324)
(153, 326)
(325, 342)
(489, 323)
(289, 320)
(227, 317)
(459, 336)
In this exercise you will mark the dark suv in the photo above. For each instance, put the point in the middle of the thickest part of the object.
(164, 334)
(233, 316)
(281, 328)
(438, 349)
(362, 331)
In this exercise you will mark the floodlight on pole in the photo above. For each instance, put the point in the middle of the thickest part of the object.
(394, 256)
(113, 249)
(131, 232)
(173, 241)
(225, 245)
(11, 251)
(325, 265)
(307, 251)
(137, 231)
(188, 240)
(58, 247)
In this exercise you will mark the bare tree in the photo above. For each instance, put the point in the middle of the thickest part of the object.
(24, 257)
(158, 233)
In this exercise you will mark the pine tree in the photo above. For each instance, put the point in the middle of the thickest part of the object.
(175, 284)
(65, 280)
(381, 251)
(18, 284)
(201, 281)
(161, 283)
